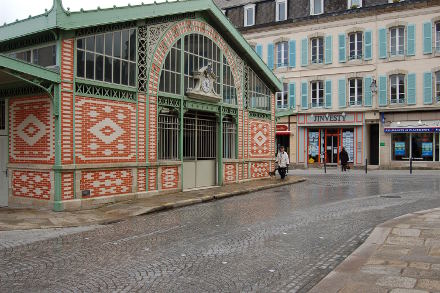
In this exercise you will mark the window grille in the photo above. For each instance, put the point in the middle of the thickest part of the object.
(229, 135)
(168, 130)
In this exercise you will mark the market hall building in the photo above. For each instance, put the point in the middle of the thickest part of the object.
(113, 104)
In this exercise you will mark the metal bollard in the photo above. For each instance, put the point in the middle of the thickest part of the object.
(366, 166)
(325, 167)
(410, 164)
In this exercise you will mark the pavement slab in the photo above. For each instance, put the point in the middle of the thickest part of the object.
(405, 262)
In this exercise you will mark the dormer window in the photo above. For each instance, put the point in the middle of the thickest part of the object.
(316, 7)
(353, 4)
(281, 10)
(249, 15)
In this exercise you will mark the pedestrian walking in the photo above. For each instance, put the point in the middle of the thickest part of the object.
(283, 162)
(343, 155)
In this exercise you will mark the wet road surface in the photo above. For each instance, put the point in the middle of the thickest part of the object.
(278, 240)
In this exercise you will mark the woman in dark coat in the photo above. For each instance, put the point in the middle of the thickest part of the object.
(343, 155)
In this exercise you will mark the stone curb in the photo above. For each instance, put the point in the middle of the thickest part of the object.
(335, 281)
(161, 207)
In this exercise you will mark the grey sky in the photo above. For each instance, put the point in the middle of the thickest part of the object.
(10, 10)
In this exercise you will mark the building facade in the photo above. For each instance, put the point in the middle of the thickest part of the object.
(114, 104)
(358, 74)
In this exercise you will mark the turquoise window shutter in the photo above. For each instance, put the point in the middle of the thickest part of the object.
(427, 38)
(411, 40)
(383, 43)
(292, 53)
(304, 95)
(342, 93)
(292, 100)
(368, 45)
(411, 85)
(427, 88)
(328, 93)
(383, 100)
(304, 52)
(342, 48)
(270, 56)
(328, 49)
(368, 95)
(259, 50)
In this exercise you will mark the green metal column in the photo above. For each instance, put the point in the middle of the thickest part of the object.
(57, 204)
(220, 148)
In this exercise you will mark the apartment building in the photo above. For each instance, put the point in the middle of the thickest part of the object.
(359, 74)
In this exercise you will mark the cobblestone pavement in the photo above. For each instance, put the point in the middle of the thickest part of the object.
(280, 240)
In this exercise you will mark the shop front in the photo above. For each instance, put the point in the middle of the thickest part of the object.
(322, 136)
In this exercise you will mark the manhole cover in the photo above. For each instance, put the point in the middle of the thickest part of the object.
(391, 196)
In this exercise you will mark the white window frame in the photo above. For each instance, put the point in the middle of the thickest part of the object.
(398, 93)
(350, 4)
(282, 98)
(437, 36)
(318, 98)
(246, 8)
(356, 42)
(312, 7)
(320, 43)
(282, 53)
(277, 9)
(437, 86)
(398, 38)
(356, 100)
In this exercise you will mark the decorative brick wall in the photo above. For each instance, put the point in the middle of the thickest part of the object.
(142, 128)
(142, 180)
(107, 182)
(31, 184)
(31, 131)
(260, 170)
(260, 139)
(67, 186)
(169, 178)
(152, 179)
(67, 72)
(230, 173)
(105, 131)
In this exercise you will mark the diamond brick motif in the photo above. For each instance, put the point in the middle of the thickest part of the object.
(260, 138)
(107, 130)
(31, 130)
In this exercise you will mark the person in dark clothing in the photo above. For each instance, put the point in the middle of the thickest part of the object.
(343, 155)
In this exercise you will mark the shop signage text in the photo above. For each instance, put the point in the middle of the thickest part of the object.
(414, 129)
(329, 118)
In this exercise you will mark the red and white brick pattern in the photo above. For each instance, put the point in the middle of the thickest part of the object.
(169, 178)
(230, 171)
(105, 131)
(67, 184)
(107, 182)
(142, 130)
(260, 170)
(31, 184)
(260, 139)
(31, 131)
(152, 179)
(142, 180)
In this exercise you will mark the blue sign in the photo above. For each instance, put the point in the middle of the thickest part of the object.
(426, 149)
(412, 130)
(399, 148)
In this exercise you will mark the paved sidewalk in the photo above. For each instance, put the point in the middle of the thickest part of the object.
(24, 219)
(400, 256)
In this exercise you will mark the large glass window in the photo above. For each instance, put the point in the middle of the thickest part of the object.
(200, 51)
(397, 88)
(45, 56)
(437, 36)
(109, 57)
(422, 146)
(283, 97)
(281, 10)
(171, 74)
(419, 146)
(317, 46)
(229, 89)
(437, 146)
(400, 146)
(258, 92)
(282, 54)
(313, 146)
(355, 90)
(317, 91)
(397, 41)
(355, 40)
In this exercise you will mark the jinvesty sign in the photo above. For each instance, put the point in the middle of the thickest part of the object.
(327, 119)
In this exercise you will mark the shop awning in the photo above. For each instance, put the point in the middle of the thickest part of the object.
(283, 133)
(413, 127)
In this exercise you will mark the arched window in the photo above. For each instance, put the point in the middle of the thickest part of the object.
(198, 51)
